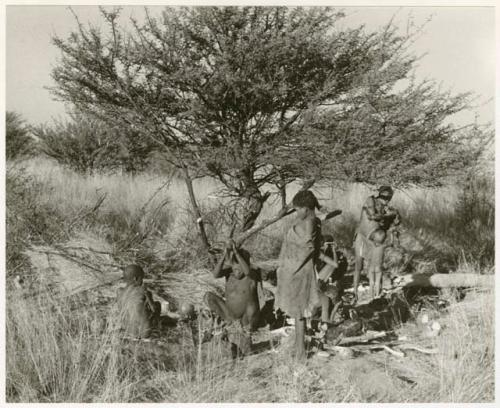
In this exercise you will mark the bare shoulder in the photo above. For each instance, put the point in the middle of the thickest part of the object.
(370, 201)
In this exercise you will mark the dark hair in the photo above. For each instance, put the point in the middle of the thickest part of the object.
(133, 272)
(327, 238)
(385, 191)
(305, 199)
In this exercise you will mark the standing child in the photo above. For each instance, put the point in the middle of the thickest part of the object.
(297, 293)
(241, 304)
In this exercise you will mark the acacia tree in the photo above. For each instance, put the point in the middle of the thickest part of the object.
(260, 95)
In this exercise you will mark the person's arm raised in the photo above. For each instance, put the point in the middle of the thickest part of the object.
(241, 261)
(219, 271)
(310, 232)
(371, 210)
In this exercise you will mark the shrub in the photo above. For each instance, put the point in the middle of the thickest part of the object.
(28, 220)
(87, 145)
(459, 231)
(62, 350)
(18, 142)
(475, 216)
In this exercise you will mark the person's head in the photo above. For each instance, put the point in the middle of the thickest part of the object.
(133, 275)
(327, 244)
(327, 240)
(385, 193)
(378, 237)
(233, 260)
(187, 311)
(304, 201)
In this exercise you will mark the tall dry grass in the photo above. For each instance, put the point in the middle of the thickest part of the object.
(453, 223)
(58, 351)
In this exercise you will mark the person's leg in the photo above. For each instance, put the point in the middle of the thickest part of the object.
(378, 281)
(358, 264)
(358, 267)
(234, 351)
(325, 308)
(377, 261)
(300, 338)
(218, 306)
(336, 307)
(251, 317)
(371, 280)
(157, 311)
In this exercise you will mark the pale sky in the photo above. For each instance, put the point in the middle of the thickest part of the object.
(459, 42)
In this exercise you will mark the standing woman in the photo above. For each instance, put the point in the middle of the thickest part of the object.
(297, 293)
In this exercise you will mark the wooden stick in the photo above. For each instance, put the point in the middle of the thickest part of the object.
(444, 280)
(419, 349)
(286, 210)
(362, 339)
(389, 350)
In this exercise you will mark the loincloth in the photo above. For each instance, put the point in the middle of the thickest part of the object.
(240, 335)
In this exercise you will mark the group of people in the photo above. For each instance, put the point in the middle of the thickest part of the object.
(309, 274)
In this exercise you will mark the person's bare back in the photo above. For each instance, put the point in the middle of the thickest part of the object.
(136, 307)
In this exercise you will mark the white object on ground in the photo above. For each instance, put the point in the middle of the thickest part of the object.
(322, 354)
(283, 331)
(345, 352)
(419, 349)
(165, 306)
(435, 326)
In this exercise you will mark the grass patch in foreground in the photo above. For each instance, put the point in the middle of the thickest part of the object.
(58, 351)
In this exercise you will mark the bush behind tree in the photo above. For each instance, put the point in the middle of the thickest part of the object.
(86, 144)
(28, 219)
(18, 142)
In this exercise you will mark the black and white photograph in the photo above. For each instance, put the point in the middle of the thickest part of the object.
(237, 203)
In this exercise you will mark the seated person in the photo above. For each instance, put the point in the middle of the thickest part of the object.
(241, 303)
(330, 277)
(138, 313)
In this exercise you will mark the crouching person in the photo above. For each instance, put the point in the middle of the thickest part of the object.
(138, 312)
(240, 308)
(330, 279)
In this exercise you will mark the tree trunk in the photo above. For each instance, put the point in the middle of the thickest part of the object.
(444, 280)
(196, 209)
(283, 195)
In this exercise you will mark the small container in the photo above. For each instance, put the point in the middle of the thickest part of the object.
(164, 307)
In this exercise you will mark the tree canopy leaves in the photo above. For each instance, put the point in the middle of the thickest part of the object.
(256, 95)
